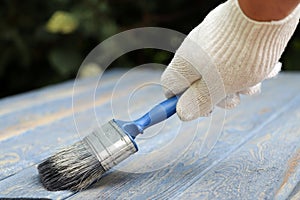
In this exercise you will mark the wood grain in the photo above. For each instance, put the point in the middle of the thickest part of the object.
(265, 167)
(49, 93)
(173, 180)
(295, 194)
(41, 137)
(258, 147)
(18, 116)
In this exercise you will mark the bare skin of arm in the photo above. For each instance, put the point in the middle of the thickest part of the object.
(268, 10)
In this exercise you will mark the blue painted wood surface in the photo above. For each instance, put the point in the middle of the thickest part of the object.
(256, 157)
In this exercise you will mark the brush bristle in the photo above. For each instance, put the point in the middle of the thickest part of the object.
(73, 168)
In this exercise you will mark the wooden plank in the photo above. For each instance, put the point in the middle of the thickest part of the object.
(20, 121)
(49, 93)
(266, 167)
(30, 152)
(242, 124)
(38, 140)
(28, 187)
(249, 117)
(41, 111)
(25, 112)
(295, 194)
(165, 183)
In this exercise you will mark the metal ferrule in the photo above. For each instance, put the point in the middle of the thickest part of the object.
(110, 144)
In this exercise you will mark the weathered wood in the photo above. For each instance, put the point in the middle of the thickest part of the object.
(49, 93)
(266, 167)
(27, 185)
(55, 129)
(240, 126)
(18, 115)
(295, 194)
(245, 129)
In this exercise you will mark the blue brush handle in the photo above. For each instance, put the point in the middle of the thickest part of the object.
(159, 113)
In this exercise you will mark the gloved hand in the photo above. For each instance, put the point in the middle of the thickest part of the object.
(243, 51)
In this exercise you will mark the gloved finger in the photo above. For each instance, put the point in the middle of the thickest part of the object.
(230, 101)
(256, 89)
(275, 71)
(194, 102)
(178, 76)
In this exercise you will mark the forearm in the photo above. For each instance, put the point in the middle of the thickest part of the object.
(268, 10)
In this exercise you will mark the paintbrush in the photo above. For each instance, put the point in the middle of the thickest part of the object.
(83, 163)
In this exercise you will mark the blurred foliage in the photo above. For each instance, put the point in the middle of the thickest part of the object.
(44, 42)
(62, 22)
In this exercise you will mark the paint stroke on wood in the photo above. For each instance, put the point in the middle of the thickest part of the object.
(251, 136)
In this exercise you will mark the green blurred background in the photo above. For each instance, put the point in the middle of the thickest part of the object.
(44, 42)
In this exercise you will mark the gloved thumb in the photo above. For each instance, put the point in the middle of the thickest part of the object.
(178, 76)
(195, 102)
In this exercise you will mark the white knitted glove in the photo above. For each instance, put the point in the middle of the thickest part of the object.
(244, 52)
